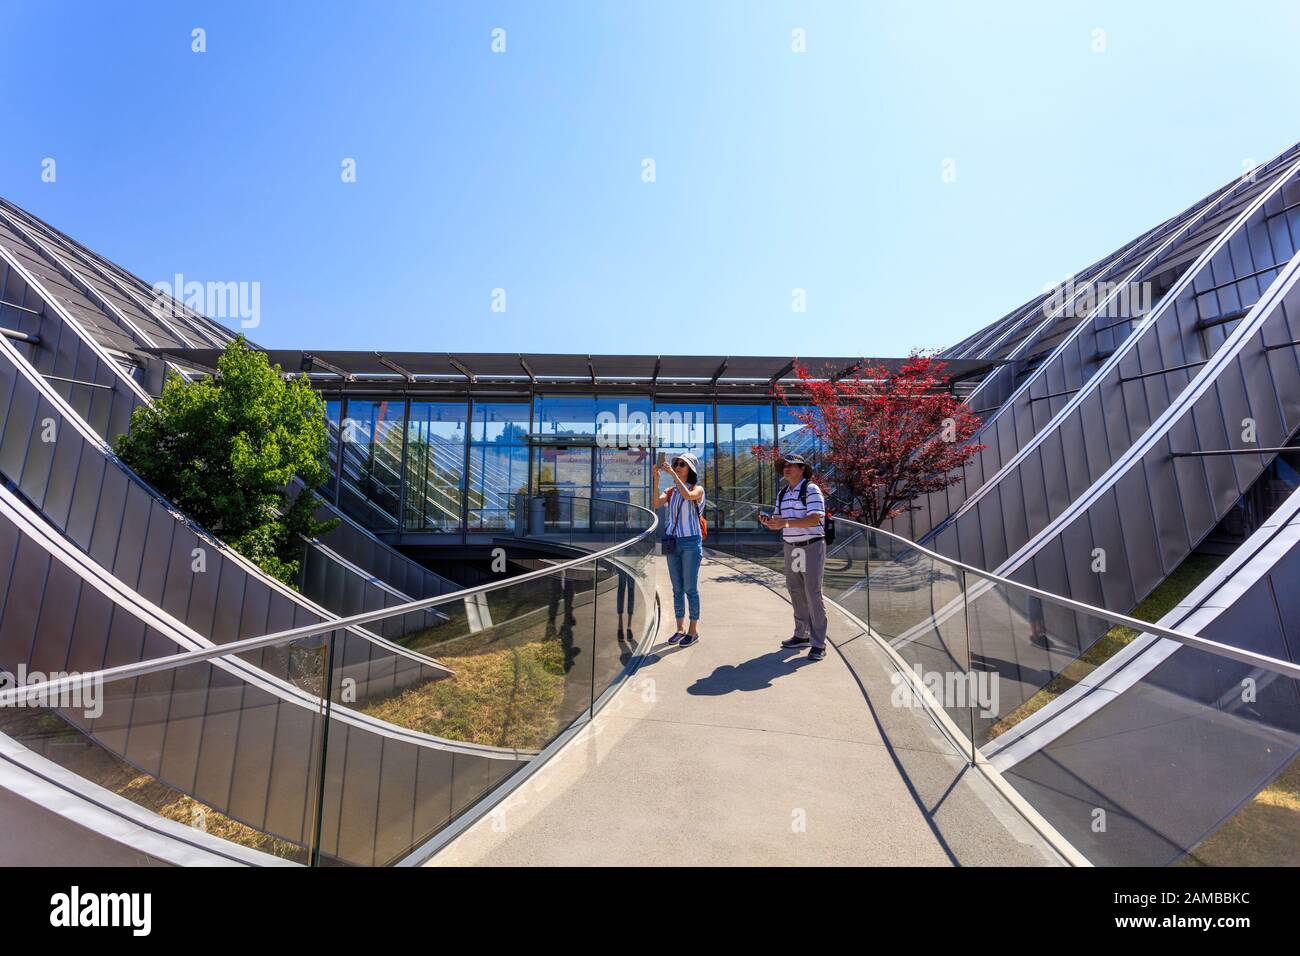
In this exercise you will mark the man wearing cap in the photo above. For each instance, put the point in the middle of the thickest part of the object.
(799, 515)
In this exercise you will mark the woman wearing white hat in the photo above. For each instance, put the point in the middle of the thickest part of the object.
(683, 541)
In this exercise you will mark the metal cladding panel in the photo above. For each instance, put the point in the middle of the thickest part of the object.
(63, 480)
(126, 639)
(433, 804)
(20, 425)
(40, 453)
(992, 537)
(199, 614)
(9, 540)
(110, 728)
(395, 815)
(90, 632)
(229, 605)
(470, 780)
(253, 612)
(1237, 418)
(294, 775)
(185, 726)
(130, 543)
(336, 750)
(1012, 519)
(85, 499)
(148, 727)
(1122, 405)
(1050, 456)
(58, 618)
(251, 776)
(157, 558)
(1137, 521)
(108, 518)
(22, 606)
(1094, 440)
(1107, 532)
(225, 698)
(359, 797)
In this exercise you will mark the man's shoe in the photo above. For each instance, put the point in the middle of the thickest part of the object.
(793, 643)
(817, 653)
(676, 637)
(689, 639)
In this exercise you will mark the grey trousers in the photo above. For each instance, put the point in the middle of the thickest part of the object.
(805, 589)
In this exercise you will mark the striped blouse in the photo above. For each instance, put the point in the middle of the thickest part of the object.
(683, 519)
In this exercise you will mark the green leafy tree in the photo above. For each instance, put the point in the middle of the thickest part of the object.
(225, 451)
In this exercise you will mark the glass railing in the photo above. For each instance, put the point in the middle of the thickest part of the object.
(293, 745)
(1133, 761)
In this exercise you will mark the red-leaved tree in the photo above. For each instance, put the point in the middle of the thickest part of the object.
(886, 436)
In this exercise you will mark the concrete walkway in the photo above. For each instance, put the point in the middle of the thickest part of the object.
(734, 751)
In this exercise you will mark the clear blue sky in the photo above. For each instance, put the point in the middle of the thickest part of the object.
(774, 170)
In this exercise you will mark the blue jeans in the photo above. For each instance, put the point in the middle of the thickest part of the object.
(684, 572)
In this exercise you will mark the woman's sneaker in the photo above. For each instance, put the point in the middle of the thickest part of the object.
(676, 637)
(796, 642)
(689, 639)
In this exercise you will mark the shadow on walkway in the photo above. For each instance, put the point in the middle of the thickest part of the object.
(757, 673)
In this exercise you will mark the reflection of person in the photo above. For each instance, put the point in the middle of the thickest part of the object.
(799, 516)
(561, 585)
(683, 540)
(1037, 622)
(626, 598)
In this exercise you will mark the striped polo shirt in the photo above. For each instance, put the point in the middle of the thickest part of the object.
(789, 506)
(683, 515)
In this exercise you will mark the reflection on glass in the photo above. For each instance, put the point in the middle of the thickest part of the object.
(740, 475)
(435, 466)
(372, 461)
(498, 462)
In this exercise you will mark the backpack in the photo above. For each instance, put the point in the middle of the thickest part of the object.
(704, 522)
(828, 525)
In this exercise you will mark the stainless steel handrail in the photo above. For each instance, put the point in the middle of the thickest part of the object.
(108, 675)
(1238, 654)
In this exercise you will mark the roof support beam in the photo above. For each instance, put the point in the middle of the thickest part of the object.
(782, 372)
(317, 360)
(456, 364)
(389, 363)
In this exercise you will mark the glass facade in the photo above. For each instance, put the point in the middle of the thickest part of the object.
(370, 474)
(435, 466)
(498, 463)
(452, 465)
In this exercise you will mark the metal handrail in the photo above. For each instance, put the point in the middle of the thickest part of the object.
(108, 675)
(1238, 654)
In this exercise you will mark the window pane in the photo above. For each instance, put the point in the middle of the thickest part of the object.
(435, 466)
(372, 462)
(498, 463)
(740, 475)
(686, 427)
